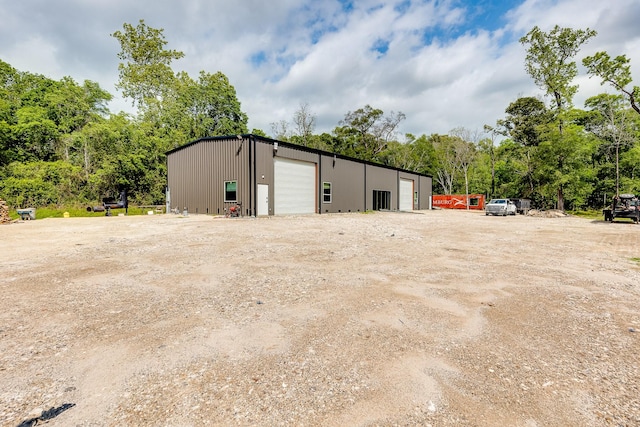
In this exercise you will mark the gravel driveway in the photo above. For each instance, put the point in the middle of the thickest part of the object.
(440, 318)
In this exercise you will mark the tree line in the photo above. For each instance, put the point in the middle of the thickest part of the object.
(60, 145)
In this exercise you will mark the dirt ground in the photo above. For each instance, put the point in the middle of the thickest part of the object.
(433, 318)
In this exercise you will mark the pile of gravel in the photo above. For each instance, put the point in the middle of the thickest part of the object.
(552, 213)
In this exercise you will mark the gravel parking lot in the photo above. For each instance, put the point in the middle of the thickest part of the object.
(432, 318)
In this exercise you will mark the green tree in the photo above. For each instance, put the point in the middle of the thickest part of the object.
(34, 135)
(524, 121)
(563, 161)
(446, 165)
(280, 130)
(487, 156)
(26, 130)
(39, 183)
(527, 122)
(304, 122)
(549, 62)
(9, 96)
(145, 76)
(259, 132)
(415, 154)
(611, 123)
(196, 109)
(465, 153)
(366, 132)
(616, 72)
(173, 109)
(72, 107)
(512, 172)
(630, 170)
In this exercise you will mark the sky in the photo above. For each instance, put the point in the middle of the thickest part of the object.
(445, 64)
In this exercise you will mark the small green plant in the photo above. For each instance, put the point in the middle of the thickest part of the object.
(636, 260)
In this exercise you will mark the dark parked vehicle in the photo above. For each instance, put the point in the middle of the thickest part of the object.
(522, 205)
(623, 206)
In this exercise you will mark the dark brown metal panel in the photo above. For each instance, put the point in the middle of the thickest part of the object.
(264, 168)
(379, 178)
(347, 185)
(426, 191)
(197, 174)
(273, 150)
(295, 154)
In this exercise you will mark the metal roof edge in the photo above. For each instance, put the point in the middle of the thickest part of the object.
(206, 138)
(297, 147)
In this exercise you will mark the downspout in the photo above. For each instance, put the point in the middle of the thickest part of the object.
(419, 198)
(320, 197)
(365, 187)
(398, 190)
(251, 175)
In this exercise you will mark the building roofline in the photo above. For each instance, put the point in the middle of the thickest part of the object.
(294, 146)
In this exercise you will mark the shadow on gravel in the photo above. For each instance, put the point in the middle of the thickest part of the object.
(47, 415)
(620, 222)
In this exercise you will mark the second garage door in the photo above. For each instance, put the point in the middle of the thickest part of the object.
(406, 195)
(295, 187)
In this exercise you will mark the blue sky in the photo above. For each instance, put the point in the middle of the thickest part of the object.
(443, 63)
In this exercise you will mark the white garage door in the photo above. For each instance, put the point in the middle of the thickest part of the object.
(295, 187)
(406, 195)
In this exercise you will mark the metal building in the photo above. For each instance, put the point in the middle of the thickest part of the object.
(269, 177)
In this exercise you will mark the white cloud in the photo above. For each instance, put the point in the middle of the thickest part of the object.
(35, 53)
(315, 52)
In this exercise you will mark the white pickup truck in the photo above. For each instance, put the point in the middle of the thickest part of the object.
(500, 207)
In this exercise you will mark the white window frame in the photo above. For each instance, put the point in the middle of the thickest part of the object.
(324, 195)
(224, 189)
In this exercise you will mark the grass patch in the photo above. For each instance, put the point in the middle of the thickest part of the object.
(77, 212)
(636, 260)
(587, 214)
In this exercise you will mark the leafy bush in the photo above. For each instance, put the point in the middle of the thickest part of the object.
(40, 183)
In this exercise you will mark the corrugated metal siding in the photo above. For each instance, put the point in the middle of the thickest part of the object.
(264, 161)
(379, 178)
(296, 154)
(347, 185)
(197, 175)
(426, 191)
(264, 168)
